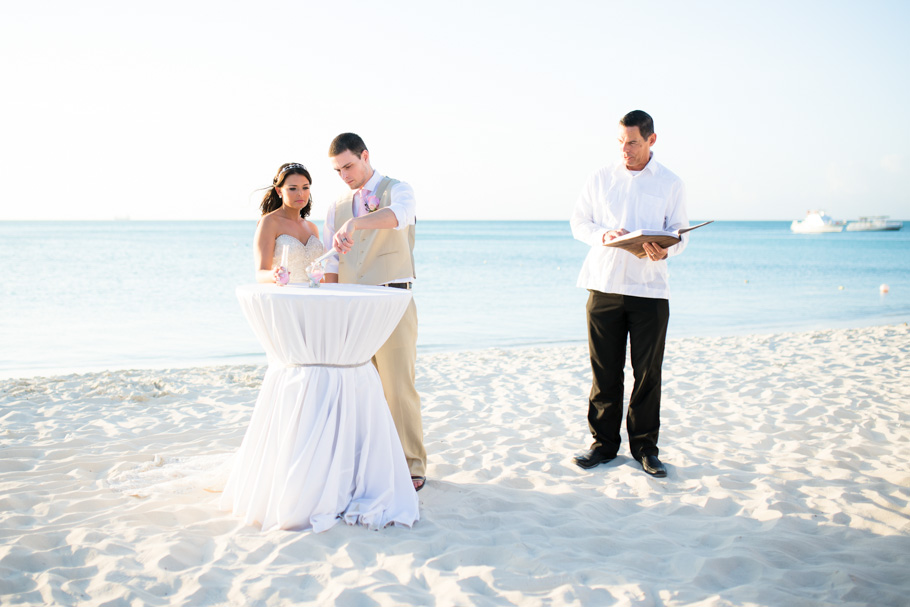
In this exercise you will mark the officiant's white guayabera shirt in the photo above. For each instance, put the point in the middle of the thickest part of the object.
(613, 198)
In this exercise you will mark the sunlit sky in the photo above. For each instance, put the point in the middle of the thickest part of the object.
(490, 109)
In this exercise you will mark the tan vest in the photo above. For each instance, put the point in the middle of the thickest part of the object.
(377, 256)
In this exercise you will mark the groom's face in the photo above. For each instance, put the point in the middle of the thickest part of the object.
(354, 170)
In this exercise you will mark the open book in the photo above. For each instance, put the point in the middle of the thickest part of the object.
(632, 241)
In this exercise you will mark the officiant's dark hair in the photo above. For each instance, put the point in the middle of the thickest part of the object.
(347, 142)
(640, 119)
(272, 200)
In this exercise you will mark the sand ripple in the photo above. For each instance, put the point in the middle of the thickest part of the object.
(788, 485)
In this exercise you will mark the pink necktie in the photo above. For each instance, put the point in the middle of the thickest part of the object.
(363, 199)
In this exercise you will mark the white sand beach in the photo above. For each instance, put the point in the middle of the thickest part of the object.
(788, 484)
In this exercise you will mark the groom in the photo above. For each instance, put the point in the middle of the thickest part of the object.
(373, 229)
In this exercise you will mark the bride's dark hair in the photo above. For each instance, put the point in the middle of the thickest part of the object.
(272, 200)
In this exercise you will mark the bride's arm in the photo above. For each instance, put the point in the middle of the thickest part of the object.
(264, 251)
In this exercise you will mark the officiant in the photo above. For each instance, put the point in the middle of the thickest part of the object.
(628, 296)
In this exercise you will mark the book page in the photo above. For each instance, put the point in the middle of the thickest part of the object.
(633, 241)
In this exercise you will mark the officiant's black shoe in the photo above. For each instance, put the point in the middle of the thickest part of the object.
(653, 466)
(592, 457)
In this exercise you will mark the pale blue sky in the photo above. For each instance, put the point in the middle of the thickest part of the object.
(491, 110)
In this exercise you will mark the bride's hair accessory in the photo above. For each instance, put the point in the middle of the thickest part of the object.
(293, 165)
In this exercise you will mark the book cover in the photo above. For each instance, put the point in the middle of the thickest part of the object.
(633, 241)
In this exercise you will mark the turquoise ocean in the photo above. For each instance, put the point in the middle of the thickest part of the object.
(82, 296)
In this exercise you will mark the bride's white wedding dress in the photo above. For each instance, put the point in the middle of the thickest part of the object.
(321, 446)
(300, 255)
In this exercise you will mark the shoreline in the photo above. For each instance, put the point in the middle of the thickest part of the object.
(787, 484)
(259, 359)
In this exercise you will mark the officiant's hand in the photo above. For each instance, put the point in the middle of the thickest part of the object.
(612, 234)
(654, 251)
(344, 237)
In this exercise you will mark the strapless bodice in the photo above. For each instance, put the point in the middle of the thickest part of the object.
(299, 255)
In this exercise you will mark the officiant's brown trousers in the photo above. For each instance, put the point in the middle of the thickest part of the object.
(395, 362)
(613, 318)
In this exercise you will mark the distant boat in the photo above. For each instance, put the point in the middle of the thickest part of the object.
(816, 222)
(879, 223)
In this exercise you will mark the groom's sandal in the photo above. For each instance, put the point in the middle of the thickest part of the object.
(419, 482)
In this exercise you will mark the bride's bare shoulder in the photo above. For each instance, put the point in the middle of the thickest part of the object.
(267, 227)
(272, 220)
(313, 228)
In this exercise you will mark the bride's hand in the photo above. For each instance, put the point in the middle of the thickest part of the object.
(276, 276)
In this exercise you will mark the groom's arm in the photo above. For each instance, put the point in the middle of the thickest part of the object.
(404, 205)
(400, 214)
(328, 234)
(383, 219)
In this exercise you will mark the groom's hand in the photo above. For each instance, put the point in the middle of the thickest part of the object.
(344, 237)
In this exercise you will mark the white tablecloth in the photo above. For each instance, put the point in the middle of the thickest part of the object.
(321, 445)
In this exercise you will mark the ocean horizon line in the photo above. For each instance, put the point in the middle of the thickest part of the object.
(566, 219)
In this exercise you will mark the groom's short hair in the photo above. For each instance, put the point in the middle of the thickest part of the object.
(347, 142)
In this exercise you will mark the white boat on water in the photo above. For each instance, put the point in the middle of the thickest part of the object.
(879, 223)
(816, 222)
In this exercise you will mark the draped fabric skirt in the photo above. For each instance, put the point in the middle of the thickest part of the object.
(321, 447)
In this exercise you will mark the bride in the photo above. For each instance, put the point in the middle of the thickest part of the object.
(285, 208)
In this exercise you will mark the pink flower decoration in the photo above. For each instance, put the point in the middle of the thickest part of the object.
(371, 202)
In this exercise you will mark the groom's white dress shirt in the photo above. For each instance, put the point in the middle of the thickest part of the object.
(404, 205)
(614, 198)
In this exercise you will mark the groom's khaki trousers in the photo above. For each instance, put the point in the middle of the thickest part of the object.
(395, 362)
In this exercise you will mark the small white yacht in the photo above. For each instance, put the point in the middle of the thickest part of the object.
(816, 222)
(879, 223)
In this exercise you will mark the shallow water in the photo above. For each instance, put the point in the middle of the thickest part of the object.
(90, 295)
